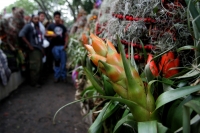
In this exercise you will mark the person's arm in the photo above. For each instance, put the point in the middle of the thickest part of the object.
(28, 43)
(24, 31)
(49, 28)
(66, 39)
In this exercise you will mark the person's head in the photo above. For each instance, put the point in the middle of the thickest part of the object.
(13, 9)
(35, 20)
(27, 18)
(41, 16)
(57, 16)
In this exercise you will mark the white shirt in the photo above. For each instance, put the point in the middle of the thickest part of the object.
(42, 29)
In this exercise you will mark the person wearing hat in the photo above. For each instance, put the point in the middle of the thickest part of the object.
(32, 36)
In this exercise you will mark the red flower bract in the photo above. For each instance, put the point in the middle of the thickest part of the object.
(168, 64)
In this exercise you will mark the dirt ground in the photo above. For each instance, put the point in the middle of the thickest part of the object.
(31, 110)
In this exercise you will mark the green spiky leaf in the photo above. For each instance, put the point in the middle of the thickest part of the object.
(94, 82)
(172, 95)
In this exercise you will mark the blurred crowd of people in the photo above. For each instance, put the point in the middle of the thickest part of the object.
(41, 43)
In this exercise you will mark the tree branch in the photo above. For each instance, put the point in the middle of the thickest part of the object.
(72, 9)
(44, 9)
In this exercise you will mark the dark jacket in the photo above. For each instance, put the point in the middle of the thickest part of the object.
(31, 35)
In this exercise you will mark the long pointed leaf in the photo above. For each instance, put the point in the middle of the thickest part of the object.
(169, 96)
(106, 112)
(147, 127)
(189, 74)
(85, 91)
(127, 67)
(109, 91)
(127, 119)
(112, 107)
(144, 51)
(132, 57)
(186, 119)
(177, 117)
(194, 13)
(188, 47)
(148, 72)
(171, 113)
(140, 113)
(194, 104)
(64, 107)
(162, 129)
(135, 85)
(93, 81)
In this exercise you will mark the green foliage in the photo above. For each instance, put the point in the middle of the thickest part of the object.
(126, 120)
(108, 110)
(93, 81)
(27, 5)
(76, 52)
(88, 5)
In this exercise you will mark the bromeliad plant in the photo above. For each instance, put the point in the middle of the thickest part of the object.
(177, 106)
(174, 109)
(137, 93)
(124, 78)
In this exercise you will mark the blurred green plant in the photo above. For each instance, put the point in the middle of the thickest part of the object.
(76, 53)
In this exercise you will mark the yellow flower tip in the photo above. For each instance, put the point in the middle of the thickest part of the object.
(95, 58)
(89, 55)
(96, 38)
(120, 90)
(99, 45)
(84, 39)
(114, 59)
(114, 73)
(111, 46)
(89, 49)
(92, 35)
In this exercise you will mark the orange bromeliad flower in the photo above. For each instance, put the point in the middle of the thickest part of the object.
(99, 45)
(95, 58)
(84, 39)
(168, 63)
(110, 44)
(114, 72)
(112, 56)
(152, 65)
(89, 49)
(166, 58)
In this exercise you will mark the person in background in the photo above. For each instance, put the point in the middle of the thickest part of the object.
(59, 41)
(13, 9)
(45, 45)
(48, 64)
(42, 16)
(32, 36)
(41, 20)
(27, 19)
